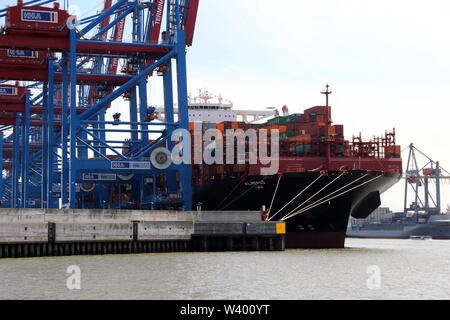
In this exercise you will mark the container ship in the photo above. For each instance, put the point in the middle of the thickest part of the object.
(322, 179)
(403, 225)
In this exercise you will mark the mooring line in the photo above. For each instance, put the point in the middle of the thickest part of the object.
(226, 197)
(328, 195)
(341, 194)
(239, 197)
(275, 193)
(298, 195)
(314, 195)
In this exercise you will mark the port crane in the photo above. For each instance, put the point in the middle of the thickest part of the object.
(56, 141)
(423, 174)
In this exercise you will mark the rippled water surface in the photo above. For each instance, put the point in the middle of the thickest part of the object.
(409, 269)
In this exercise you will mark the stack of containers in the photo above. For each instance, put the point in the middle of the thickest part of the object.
(278, 121)
(392, 151)
(294, 118)
(300, 144)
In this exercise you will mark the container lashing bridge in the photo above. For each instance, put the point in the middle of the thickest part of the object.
(58, 79)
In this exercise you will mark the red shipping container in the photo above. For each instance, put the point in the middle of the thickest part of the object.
(339, 129)
(429, 171)
(302, 139)
(321, 118)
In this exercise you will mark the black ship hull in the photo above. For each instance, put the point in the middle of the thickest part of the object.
(323, 225)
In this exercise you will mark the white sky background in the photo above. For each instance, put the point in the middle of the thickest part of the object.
(388, 64)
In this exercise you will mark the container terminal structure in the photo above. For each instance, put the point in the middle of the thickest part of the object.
(57, 145)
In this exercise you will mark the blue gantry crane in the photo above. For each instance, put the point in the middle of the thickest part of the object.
(60, 147)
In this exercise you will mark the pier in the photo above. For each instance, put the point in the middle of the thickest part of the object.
(53, 232)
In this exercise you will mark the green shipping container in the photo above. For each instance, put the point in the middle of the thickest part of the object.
(287, 134)
(307, 148)
(299, 148)
(278, 121)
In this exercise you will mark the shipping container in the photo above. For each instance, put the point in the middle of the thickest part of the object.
(305, 118)
(277, 121)
(290, 127)
(319, 110)
(221, 127)
(307, 148)
(287, 134)
(305, 138)
(392, 151)
(294, 118)
(429, 171)
(321, 118)
(339, 128)
(279, 128)
(299, 148)
(332, 130)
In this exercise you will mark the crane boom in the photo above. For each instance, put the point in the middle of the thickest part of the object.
(157, 17)
(190, 19)
(117, 37)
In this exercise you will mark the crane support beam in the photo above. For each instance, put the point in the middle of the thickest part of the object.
(83, 46)
(42, 75)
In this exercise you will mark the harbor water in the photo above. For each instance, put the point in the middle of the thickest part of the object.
(365, 269)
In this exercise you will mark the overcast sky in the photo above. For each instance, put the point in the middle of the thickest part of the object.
(387, 61)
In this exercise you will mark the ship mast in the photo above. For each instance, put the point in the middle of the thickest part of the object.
(327, 93)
